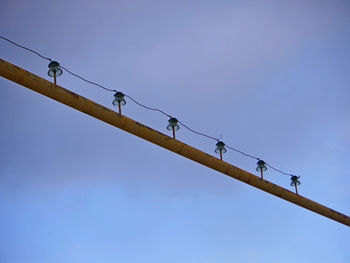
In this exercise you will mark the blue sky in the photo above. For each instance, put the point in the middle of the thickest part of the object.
(270, 77)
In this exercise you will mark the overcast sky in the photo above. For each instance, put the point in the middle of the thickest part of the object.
(270, 77)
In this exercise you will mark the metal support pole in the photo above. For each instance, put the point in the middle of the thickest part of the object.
(46, 88)
(119, 108)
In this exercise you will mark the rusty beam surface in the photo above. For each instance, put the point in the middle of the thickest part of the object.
(47, 88)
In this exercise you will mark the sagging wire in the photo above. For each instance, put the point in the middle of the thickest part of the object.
(220, 145)
(111, 90)
(199, 133)
(88, 81)
(28, 49)
(278, 170)
(148, 108)
(243, 153)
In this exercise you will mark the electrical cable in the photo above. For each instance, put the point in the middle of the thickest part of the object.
(146, 107)
(277, 170)
(199, 133)
(248, 155)
(142, 105)
(31, 50)
(88, 81)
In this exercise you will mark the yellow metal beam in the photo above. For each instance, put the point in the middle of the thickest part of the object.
(46, 88)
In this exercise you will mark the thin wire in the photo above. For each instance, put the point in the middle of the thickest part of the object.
(43, 57)
(248, 155)
(146, 107)
(199, 133)
(113, 90)
(168, 115)
(277, 170)
(88, 81)
(142, 105)
(31, 50)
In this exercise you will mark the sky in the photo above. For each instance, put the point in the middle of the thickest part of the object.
(270, 78)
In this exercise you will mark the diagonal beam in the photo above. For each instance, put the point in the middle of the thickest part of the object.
(46, 88)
